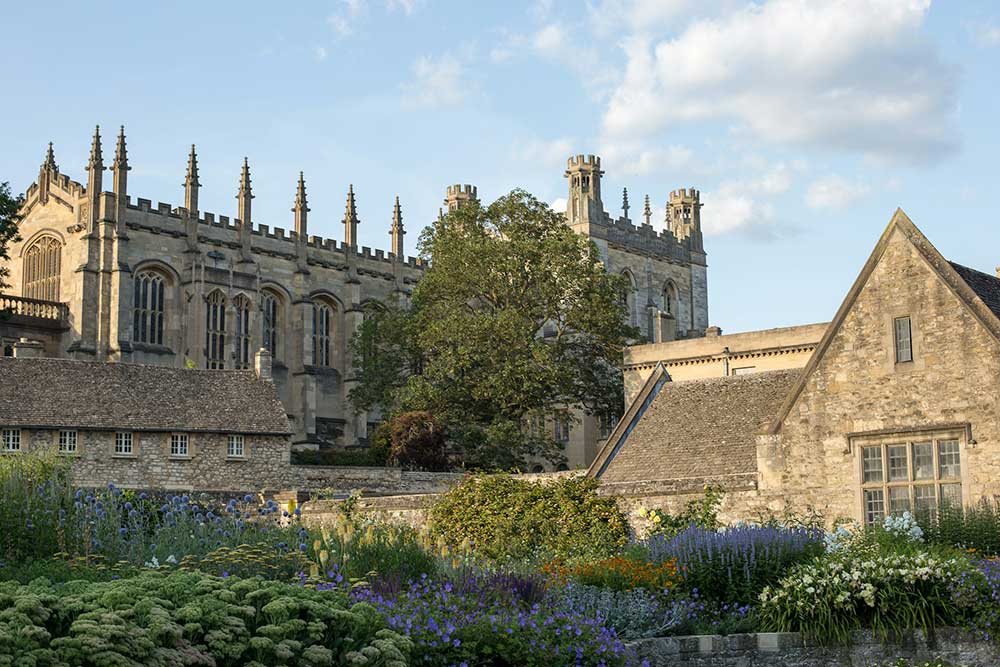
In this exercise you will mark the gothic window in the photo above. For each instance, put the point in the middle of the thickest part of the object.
(215, 331)
(628, 299)
(322, 314)
(271, 308)
(41, 269)
(370, 310)
(148, 308)
(562, 429)
(243, 351)
(670, 298)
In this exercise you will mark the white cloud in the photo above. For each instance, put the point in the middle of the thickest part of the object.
(985, 33)
(406, 6)
(641, 159)
(552, 153)
(320, 53)
(558, 205)
(435, 84)
(855, 75)
(835, 192)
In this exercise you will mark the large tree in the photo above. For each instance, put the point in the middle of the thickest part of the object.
(9, 218)
(514, 319)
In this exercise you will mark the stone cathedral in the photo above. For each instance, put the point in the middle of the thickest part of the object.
(100, 275)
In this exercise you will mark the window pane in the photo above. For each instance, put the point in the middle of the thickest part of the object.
(923, 460)
(897, 463)
(904, 350)
(899, 499)
(874, 505)
(923, 498)
(872, 461)
(948, 463)
(951, 495)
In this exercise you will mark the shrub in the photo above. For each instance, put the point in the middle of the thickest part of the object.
(632, 614)
(357, 549)
(504, 518)
(417, 439)
(190, 618)
(337, 457)
(616, 573)
(838, 593)
(976, 528)
(734, 565)
(34, 497)
(702, 513)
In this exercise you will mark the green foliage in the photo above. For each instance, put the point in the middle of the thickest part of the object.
(337, 457)
(9, 219)
(838, 593)
(416, 439)
(33, 490)
(277, 563)
(356, 549)
(506, 519)
(515, 316)
(702, 513)
(975, 528)
(190, 619)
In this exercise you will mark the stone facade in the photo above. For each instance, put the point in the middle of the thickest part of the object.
(717, 355)
(896, 409)
(176, 286)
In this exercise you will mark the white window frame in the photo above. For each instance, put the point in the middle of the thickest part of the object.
(124, 443)
(10, 440)
(881, 485)
(236, 447)
(68, 441)
(179, 446)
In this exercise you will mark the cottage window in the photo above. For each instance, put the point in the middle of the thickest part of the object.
(123, 443)
(215, 331)
(67, 442)
(904, 343)
(10, 439)
(235, 448)
(148, 308)
(179, 444)
(243, 357)
(919, 473)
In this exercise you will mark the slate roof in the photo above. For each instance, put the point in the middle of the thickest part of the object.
(985, 286)
(701, 428)
(111, 396)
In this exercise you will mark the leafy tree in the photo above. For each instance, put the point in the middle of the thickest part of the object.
(515, 317)
(9, 219)
(417, 439)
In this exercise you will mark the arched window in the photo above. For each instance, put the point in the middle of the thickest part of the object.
(148, 308)
(215, 331)
(322, 316)
(369, 310)
(271, 309)
(243, 350)
(628, 299)
(41, 269)
(670, 298)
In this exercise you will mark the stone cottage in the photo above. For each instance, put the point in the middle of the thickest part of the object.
(147, 426)
(897, 408)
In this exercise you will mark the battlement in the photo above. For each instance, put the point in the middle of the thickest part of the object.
(689, 194)
(584, 161)
(457, 190)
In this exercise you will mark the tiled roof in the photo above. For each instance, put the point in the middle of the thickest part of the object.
(92, 395)
(701, 428)
(985, 286)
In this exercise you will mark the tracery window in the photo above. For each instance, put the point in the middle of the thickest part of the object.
(322, 314)
(243, 350)
(271, 309)
(215, 331)
(42, 261)
(670, 298)
(148, 308)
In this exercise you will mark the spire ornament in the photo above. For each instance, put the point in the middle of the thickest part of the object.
(301, 209)
(50, 160)
(96, 158)
(625, 205)
(397, 232)
(647, 212)
(191, 184)
(350, 219)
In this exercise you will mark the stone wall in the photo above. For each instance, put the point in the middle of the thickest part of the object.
(789, 650)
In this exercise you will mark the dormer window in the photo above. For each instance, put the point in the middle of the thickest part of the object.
(903, 340)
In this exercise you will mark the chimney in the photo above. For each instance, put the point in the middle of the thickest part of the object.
(262, 363)
(28, 349)
(712, 332)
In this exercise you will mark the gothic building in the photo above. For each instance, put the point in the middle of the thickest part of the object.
(101, 276)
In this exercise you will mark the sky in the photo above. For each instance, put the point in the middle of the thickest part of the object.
(804, 124)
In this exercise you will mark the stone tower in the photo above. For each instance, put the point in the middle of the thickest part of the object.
(584, 206)
(457, 196)
(684, 217)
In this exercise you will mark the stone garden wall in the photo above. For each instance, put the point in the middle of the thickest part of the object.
(770, 649)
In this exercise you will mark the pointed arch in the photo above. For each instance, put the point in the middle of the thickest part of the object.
(629, 298)
(272, 307)
(325, 326)
(42, 266)
(242, 305)
(670, 292)
(215, 329)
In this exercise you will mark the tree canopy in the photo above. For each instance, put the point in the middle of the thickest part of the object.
(515, 318)
(9, 219)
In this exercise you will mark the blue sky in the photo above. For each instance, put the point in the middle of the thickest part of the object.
(803, 124)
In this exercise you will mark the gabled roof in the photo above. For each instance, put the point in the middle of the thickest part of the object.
(980, 292)
(63, 393)
(697, 429)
